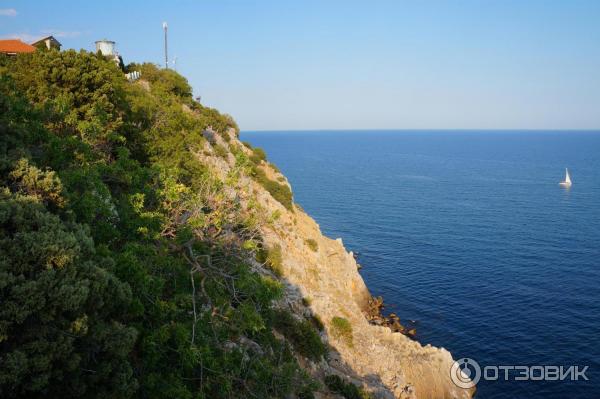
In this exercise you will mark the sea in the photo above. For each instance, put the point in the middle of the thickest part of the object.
(468, 236)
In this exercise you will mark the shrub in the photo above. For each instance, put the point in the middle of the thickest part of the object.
(258, 154)
(301, 334)
(281, 192)
(274, 260)
(52, 328)
(275, 216)
(275, 168)
(226, 136)
(306, 394)
(221, 151)
(164, 80)
(316, 320)
(312, 244)
(271, 257)
(342, 329)
(346, 389)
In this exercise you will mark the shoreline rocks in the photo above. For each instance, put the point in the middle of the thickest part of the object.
(374, 315)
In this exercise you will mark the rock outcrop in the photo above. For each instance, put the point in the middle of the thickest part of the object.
(321, 277)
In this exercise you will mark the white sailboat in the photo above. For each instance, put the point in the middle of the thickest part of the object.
(567, 182)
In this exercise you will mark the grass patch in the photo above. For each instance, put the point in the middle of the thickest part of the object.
(272, 258)
(342, 329)
(301, 334)
(346, 389)
(275, 168)
(258, 155)
(281, 192)
(221, 151)
(312, 244)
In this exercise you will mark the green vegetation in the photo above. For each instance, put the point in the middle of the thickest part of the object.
(60, 306)
(276, 169)
(346, 389)
(123, 268)
(342, 329)
(281, 192)
(301, 334)
(271, 257)
(316, 320)
(258, 155)
(221, 151)
(312, 244)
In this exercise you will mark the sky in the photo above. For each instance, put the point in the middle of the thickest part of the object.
(329, 64)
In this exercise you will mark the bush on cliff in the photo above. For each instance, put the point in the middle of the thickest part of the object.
(221, 151)
(342, 329)
(346, 389)
(301, 334)
(312, 244)
(272, 258)
(281, 192)
(258, 155)
(122, 267)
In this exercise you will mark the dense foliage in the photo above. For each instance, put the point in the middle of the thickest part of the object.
(301, 334)
(122, 264)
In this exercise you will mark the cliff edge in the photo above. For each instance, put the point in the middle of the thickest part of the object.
(321, 279)
(148, 253)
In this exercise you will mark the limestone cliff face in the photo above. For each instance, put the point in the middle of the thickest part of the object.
(326, 283)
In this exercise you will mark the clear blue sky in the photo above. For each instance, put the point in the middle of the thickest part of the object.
(329, 64)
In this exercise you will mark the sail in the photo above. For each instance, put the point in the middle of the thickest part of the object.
(567, 177)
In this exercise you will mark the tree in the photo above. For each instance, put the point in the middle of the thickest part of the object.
(60, 333)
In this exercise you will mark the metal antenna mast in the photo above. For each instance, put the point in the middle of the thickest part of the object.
(166, 53)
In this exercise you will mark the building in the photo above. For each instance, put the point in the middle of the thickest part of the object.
(107, 49)
(49, 42)
(13, 47)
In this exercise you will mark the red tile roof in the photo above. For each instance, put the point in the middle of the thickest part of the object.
(15, 46)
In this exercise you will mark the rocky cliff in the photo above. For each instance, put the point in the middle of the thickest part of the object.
(145, 252)
(322, 280)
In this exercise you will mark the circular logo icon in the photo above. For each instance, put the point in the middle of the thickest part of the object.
(465, 373)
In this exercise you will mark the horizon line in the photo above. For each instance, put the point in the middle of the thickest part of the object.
(592, 130)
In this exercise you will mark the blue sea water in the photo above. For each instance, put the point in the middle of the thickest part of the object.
(468, 234)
